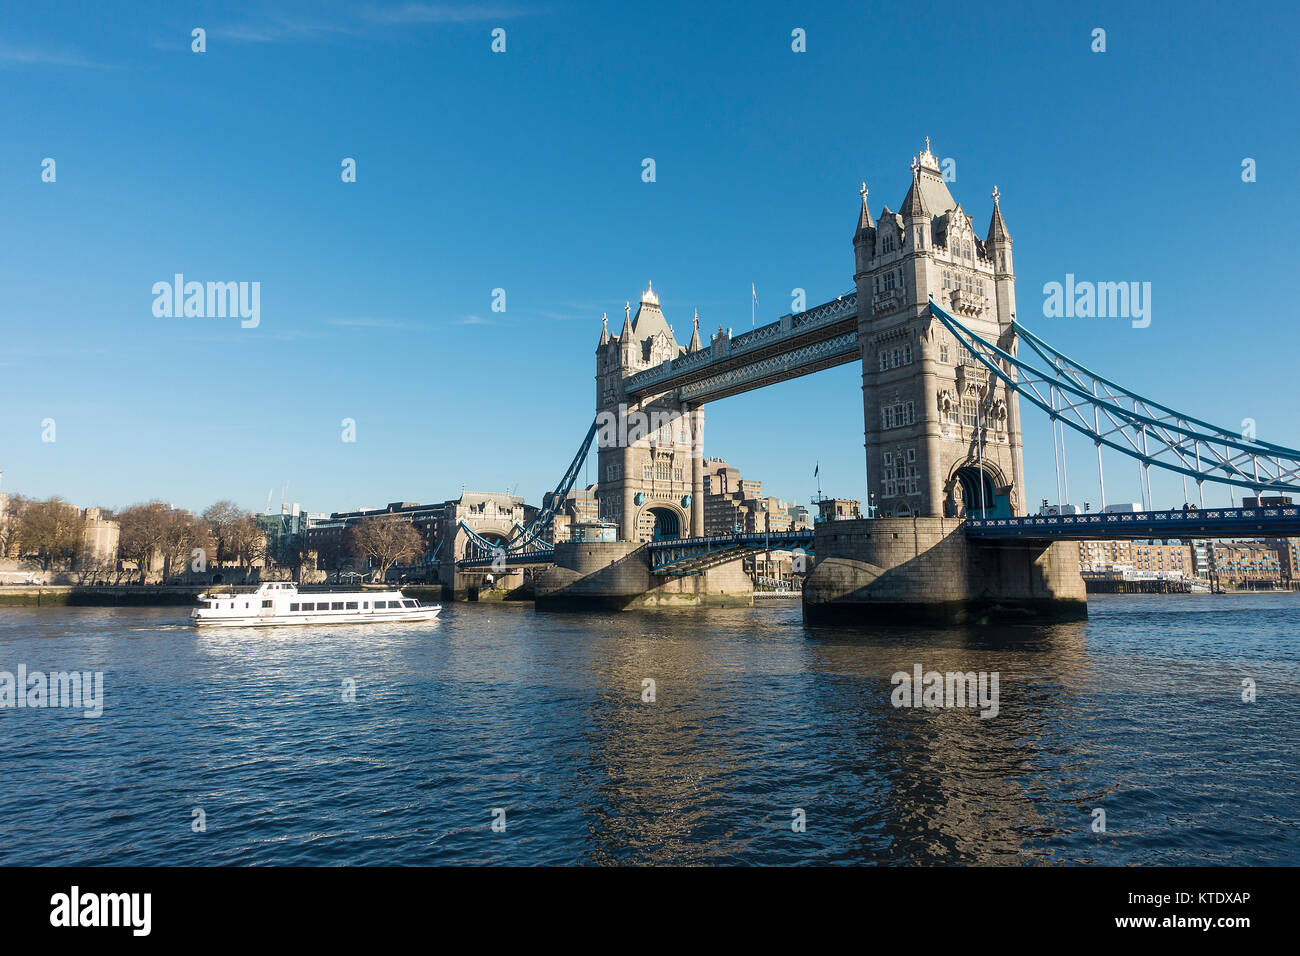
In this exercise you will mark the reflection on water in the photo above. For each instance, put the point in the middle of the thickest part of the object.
(1137, 711)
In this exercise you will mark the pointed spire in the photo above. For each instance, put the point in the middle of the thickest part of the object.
(695, 335)
(626, 334)
(865, 222)
(604, 329)
(914, 204)
(997, 225)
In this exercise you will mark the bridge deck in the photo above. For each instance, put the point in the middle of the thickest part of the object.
(1206, 523)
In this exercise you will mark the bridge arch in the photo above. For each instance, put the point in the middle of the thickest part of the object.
(961, 490)
(661, 521)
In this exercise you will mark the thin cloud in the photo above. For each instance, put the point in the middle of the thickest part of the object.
(368, 323)
(351, 23)
(410, 13)
(36, 56)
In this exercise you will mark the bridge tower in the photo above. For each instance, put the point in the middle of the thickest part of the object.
(942, 440)
(649, 452)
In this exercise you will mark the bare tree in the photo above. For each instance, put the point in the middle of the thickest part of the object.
(51, 531)
(247, 541)
(331, 554)
(142, 531)
(10, 524)
(384, 540)
(181, 535)
(222, 518)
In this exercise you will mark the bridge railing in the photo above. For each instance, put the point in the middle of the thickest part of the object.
(1174, 523)
(824, 314)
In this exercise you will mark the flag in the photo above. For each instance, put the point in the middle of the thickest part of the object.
(754, 292)
(817, 469)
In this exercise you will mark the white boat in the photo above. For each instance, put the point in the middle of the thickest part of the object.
(276, 604)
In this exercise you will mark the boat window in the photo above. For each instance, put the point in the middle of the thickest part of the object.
(381, 605)
(336, 606)
(266, 604)
(352, 605)
(309, 607)
(408, 603)
(293, 607)
(365, 605)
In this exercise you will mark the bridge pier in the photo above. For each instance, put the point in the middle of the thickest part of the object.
(616, 575)
(485, 585)
(925, 570)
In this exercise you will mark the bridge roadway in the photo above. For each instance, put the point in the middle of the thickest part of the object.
(693, 555)
(1279, 522)
(795, 345)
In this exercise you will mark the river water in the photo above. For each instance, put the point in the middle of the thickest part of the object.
(766, 742)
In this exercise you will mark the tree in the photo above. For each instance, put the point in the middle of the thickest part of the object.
(51, 530)
(384, 540)
(222, 518)
(180, 534)
(247, 540)
(142, 531)
(331, 554)
(10, 523)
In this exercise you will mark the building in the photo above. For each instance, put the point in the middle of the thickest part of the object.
(1288, 556)
(942, 437)
(1244, 564)
(580, 507)
(650, 467)
(838, 509)
(99, 540)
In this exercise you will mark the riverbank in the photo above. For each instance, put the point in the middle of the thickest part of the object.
(77, 595)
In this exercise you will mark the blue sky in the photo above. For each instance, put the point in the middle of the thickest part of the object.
(522, 171)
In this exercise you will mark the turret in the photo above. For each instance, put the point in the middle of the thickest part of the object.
(694, 345)
(998, 247)
(864, 237)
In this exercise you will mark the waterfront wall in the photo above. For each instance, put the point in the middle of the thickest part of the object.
(615, 575)
(926, 570)
(74, 596)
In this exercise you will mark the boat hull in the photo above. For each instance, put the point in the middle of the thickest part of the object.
(410, 615)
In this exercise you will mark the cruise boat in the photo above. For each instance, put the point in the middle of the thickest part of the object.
(276, 603)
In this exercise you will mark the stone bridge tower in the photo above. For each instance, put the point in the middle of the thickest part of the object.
(942, 433)
(650, 452)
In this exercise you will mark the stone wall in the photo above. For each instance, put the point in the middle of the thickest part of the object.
(925, 569)
(616, 575)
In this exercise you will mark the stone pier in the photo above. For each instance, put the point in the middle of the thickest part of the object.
(615, 575)
(924, 570)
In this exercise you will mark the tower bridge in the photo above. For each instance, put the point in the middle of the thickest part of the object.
(932, 320)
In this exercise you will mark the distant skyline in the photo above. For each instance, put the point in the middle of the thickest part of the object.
(522, 171)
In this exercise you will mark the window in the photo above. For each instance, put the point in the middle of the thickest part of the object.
(409, 604)
(266, 604)
(293, 607)
(889, 458)
(336, 606)
(352, 605)
(907, 355)
(365, 605)
(309, 607)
